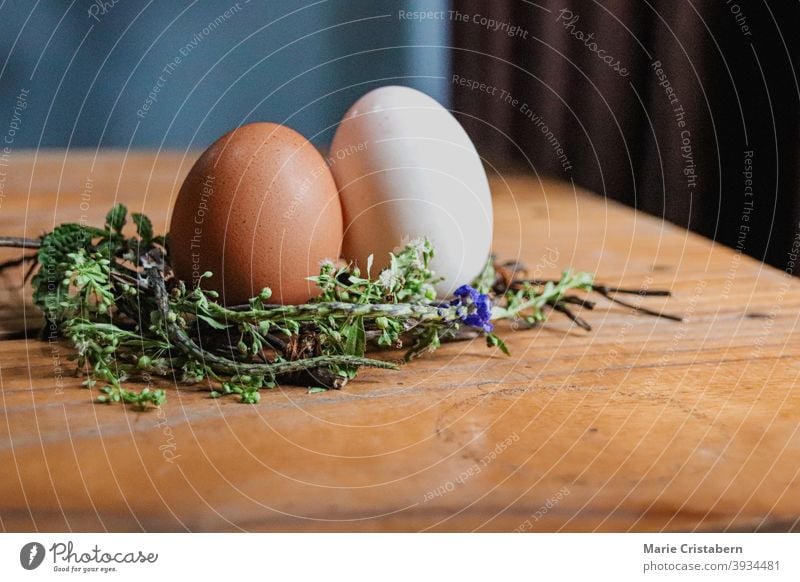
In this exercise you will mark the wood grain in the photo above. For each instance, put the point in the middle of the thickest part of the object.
(643, 424)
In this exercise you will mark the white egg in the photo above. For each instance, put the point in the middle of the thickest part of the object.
(405, 168)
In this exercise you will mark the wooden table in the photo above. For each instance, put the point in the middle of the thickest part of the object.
(642, 424)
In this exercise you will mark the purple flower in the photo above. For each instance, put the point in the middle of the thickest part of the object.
(478, 307)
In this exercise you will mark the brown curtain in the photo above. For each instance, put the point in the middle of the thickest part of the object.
(656, 103)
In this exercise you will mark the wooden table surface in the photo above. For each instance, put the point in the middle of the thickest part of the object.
(642, 424)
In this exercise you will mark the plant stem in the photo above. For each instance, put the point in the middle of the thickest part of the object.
(608, 292)
(313, 311)
(639, 308)
(315, 366)
(18, 242)
(579, 321)
(599, 288)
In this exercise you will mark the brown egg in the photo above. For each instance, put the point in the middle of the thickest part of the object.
(258, 209)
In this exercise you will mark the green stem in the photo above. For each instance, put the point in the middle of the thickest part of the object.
(550, 294)
(313, 311)
(225, 366)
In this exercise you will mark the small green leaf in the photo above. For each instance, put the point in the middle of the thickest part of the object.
(316, 389)
(251, 396)
(144, 228)
(484, 282)
(355, 337)
(116, 217)
(494, 341)
(212, 322)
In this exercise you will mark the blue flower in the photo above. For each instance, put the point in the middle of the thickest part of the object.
(478, 307)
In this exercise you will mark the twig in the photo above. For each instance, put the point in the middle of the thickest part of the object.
(640, 309)
(603, 289)
(11, 263)
(29, 273)
(20, 242)
(585, 303)
(580, 322)
(606, 292)
(599, 288)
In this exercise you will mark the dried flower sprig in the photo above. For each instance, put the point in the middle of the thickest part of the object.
(114, 297)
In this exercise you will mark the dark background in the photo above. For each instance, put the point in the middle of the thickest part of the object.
(737, 86)
(300, 62)
(303, 63)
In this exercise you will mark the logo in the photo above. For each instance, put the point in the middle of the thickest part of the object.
(31, 555)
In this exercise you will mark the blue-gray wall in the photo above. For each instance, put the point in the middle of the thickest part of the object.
(89, 66)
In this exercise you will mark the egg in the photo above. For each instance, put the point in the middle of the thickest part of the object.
(406, 169)
(258, 209)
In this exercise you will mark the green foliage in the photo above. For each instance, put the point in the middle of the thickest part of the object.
(116, 218)
(407, 279)
(529, 300)
(247, 387)
(143, 399)
(493, 341)
(144, 228)
(51, 283)
(484, 282)
(114, 298)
